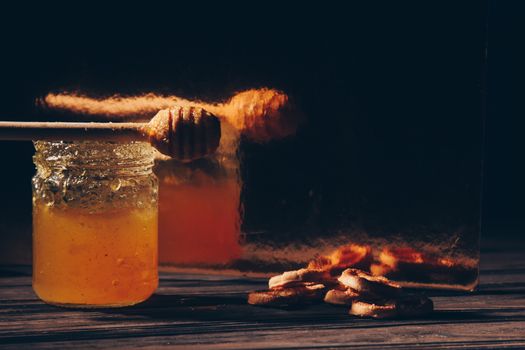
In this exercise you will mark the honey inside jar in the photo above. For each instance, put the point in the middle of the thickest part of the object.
(199, 221)
(105, 259)
(94, 224)
(199, 207)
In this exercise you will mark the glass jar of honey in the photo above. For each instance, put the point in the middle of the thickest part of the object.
(200, 208)
(94, 223)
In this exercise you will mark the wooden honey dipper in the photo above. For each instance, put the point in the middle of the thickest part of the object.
(259, 114)
(183, 133)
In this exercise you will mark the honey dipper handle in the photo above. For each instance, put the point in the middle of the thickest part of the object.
(55, 131)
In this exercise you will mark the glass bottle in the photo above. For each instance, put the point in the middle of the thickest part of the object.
(94, 223)
(199, 208)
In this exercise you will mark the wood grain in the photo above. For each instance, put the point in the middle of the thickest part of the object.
(53, 131)
(210, 312)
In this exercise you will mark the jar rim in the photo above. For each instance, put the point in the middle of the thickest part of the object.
(137, 157)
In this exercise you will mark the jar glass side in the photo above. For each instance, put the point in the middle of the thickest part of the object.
(199, 208)
(94, 223)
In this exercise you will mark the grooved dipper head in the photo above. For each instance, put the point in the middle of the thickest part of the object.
(185, 133)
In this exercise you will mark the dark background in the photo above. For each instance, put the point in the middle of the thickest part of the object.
(381, 82)
(503, 206)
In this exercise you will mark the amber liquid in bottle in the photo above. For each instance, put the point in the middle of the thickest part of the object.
(199, 208)
(95, 221)
(107, 259)
(199, 224)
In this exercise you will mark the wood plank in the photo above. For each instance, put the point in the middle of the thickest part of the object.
(210, 312)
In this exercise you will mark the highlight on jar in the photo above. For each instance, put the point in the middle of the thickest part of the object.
(95, 203)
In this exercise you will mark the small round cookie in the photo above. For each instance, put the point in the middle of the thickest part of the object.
(291, 278)
(408, 306)
(287, 296)
(375, 309)
(365, 283)
(340, 297)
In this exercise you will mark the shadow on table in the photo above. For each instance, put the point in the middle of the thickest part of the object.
(178, 308)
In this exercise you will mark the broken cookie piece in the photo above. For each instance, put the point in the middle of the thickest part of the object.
(365, 283)
(341, 297)
(298, 277)
(375, 309)
(403, 307)
(283, 297)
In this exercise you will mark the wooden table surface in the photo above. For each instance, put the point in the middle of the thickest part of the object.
(210, 312)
